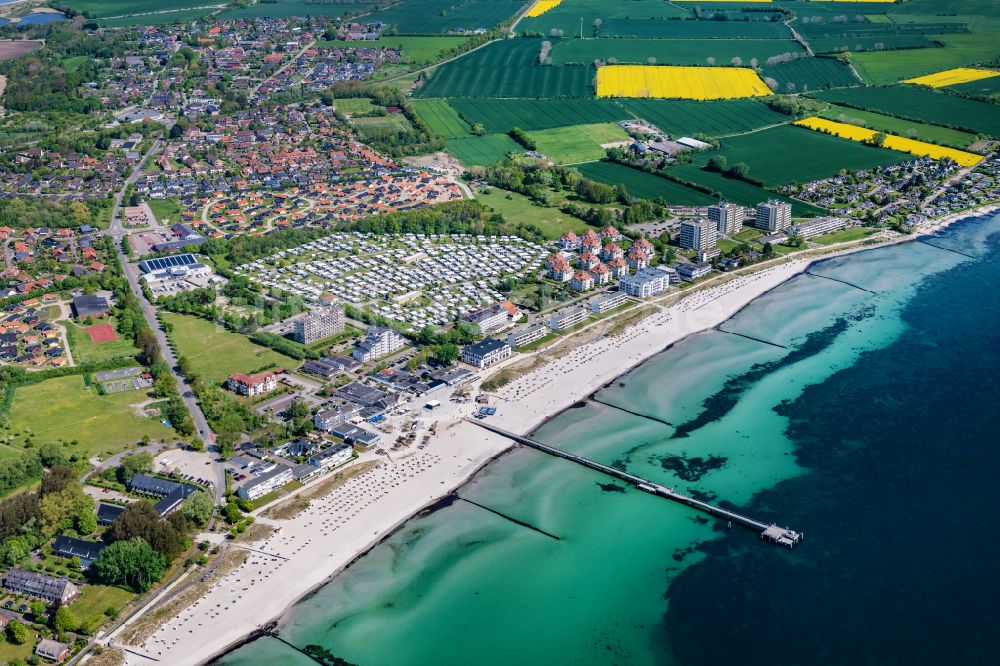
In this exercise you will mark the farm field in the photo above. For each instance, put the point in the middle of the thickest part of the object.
(367, 126)
(942, 135)
(102, 8)
(63, 409)
(441, 118)
(786, 154)
(507, 69)
(923, 105)
(644, 185)
(710, 118)
(840, 44)
(959, 50)
(432, 17)
(482, 150)
(577, 143)
(164, 18)
(811, 74)
(952, 77)
(670, 51)
(9, 50)
(739, 191)
(285, 8)
(637, 14)
(984, 87)
(679, 82)
(217, 352)
(499, 115)
(86, 351)
(892, 142)
(417, 50)
(513, 206)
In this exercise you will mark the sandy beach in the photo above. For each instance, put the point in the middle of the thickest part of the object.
(311, 548)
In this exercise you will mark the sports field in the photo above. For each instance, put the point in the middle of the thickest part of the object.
(441, 118)
(679, 82)
(417, 50)
(482, 150)
(952, 77)
(877, 121)
(671, 51)
(436, 17)
(811, 74)
(786, 154)
(499, 115)
(353, 106)
(216, 352)
(63, 409)
(921, 104)
(644, 185)
(577, 143)
(86, 350)
(508, 68)
(711, 118)
(893, 142)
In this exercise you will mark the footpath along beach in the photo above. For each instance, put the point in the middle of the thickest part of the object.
(307, 550)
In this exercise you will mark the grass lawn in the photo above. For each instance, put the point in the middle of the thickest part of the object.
(726, 245)
(10, 652)
(353, 106)
(63, 409)
(577, 143)
(844, 235)
(166, 211)
(907, 128)
(73, 63)
(394, 122)
(215, 352)
(94, 600)
(552, 221)
(85, 350)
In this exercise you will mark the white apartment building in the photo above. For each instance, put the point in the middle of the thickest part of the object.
(645, 283)
(337, 454)
(378, 342)
(774, 215)
(526, 336)
(264, 483)
(608, 302)
(728, 218)
(819, 226)
(486, 352)
(318, 324)
(698, 234)
(567, 318)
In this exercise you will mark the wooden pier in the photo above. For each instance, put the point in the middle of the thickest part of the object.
(771, 532)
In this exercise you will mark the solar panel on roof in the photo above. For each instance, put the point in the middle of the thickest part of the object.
(150, 265)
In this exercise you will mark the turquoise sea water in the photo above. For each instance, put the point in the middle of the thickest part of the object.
(870, 424)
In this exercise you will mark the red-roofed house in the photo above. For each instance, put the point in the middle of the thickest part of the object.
(252, 385)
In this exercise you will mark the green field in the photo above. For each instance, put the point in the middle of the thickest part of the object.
(482, 150)
(786, 154)
(516, 207)
(739, 191)
(215, 352)
(86, 351)
(984, 87)
(811, 74)
(644, 185)
(441, 118)
(353, 106)
(931, 133)
(844, 235)
(414, 50)
(922, 104)
(578, 143)
(285, 8)
(434, 17)
(63, 409)
(101, 8)
(393, 122)
(507, 68)
(689, 118)
(167, 210)
(89, 607)
(670, 51)
(884, 67)
(164, 18)
(499, 115)
(73, 63)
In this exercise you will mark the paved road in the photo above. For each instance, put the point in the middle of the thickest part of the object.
(117, 232)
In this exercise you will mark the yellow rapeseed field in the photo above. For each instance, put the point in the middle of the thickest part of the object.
(541, 7)
(679, 82)
(902, 144)
(951, 77)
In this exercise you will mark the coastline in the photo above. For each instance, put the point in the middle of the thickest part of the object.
(573, 377)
